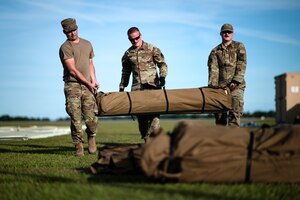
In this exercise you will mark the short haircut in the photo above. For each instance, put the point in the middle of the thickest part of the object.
(132, 30)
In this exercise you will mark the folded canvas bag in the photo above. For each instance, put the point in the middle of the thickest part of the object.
(198, 153)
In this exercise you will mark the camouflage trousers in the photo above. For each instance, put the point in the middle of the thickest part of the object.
(80, 104)
(233, 117)
(148, 124)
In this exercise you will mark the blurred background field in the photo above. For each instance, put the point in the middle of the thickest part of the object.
(47, 169)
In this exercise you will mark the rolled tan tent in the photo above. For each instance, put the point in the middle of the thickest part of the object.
(194, 100)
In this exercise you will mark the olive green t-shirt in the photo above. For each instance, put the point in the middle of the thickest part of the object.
(81, 52)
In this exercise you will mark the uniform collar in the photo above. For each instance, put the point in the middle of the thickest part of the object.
(222, 46)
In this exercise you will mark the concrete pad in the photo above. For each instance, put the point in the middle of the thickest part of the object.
(33, 132)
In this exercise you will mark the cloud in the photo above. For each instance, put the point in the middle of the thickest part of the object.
(203, 14)
(255, 5)
(269, 37)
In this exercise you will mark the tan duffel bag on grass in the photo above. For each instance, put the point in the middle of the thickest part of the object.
(198, 153)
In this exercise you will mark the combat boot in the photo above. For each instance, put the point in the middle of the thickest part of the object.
(79, 149)
(92, 145)
(154, 128)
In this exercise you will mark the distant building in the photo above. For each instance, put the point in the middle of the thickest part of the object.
(288, 98)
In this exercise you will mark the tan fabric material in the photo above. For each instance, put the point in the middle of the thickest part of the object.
(118, 159)
(197, 153)
(216, 154)
(206, 153)
(195, 100)
(160, 150)
(276, 154)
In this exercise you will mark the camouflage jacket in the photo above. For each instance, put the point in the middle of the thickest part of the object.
(143, 63)
(227, 64)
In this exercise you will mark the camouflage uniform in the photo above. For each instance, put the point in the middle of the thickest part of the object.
(142, 63)
(80, 101)
(227, 65)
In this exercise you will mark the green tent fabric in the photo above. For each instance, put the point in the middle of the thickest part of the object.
(194, 100)
(197, 153)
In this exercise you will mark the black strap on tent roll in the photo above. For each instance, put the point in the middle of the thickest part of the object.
(167, 100)
(249, 158)
(130, 103)
(203, 98)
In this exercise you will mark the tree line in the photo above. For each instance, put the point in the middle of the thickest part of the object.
(255, 114)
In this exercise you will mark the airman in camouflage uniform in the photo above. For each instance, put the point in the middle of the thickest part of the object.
(226, 68)
(142, 60)
(76, 56)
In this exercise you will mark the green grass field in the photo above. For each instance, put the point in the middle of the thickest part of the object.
(46, 169)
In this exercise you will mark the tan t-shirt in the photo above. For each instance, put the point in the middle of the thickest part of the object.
(81, 52)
